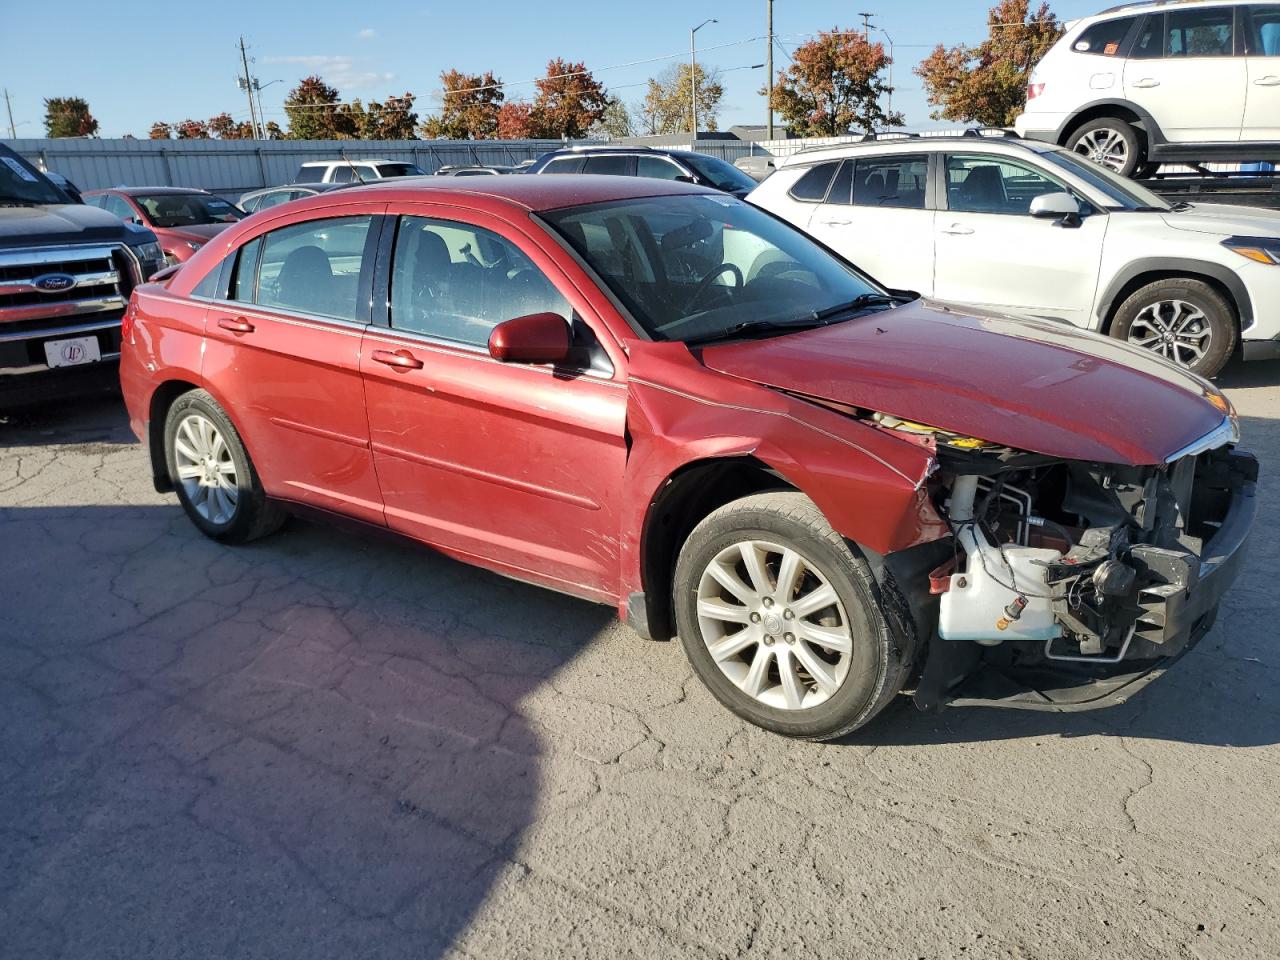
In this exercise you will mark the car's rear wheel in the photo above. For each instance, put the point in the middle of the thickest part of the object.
(1185, 321)
(211, 471)
(1111, 142)
(784, 622)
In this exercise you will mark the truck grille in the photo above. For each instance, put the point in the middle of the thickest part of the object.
(99, 284)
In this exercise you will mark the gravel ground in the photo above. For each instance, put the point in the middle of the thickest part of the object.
(333, 745)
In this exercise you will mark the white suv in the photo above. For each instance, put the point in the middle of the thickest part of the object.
(355, 171)
(1029, 228)
(1169, 80)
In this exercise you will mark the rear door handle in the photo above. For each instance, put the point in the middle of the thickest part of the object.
(837, 223)
(1268, 81)
(238, 325)
(1146, 82)
(957, 230)
(400, 359)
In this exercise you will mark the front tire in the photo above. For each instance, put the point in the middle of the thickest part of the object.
(1111, 142)
(211, 471)
(784, 622)
(1185, 321)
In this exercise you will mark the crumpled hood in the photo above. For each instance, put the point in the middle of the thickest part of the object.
(1224, 220)
(42, 225)
(1035, 385)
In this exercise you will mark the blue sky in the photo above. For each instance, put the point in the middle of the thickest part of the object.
(140, 62)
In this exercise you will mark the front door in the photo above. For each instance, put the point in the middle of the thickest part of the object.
(1186, 71)
(518, 466)
(1262, 97)
(991, 252)
(876, 217)
(282, 355)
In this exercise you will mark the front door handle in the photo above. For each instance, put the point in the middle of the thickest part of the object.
(1268, 81)
(957, 230)
(1146, 82)
(837, 223)
(238, 325)
(400, 359)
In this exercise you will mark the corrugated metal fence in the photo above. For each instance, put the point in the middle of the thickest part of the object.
(233, 167)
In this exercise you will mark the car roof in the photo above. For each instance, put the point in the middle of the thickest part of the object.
(916, 143)
(148, 191)
(533, 193)
(1142, 6)
(317, 187)
(340, 160)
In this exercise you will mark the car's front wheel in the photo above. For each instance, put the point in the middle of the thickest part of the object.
(1111, 142)
(211, 471)
(785, 623)
(1183, 320)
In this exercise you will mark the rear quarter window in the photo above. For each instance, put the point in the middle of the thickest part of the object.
(812, 186)
(1105, 39)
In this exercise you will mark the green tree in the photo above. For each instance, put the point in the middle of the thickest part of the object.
(312, 110)
(616, 122)
(68, 117)
(667, 106)
(393, 119)
(834, 85)
(469, 105)
(568, 102)
(987, 84)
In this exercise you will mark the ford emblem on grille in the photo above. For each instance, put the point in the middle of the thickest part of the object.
(53, 282)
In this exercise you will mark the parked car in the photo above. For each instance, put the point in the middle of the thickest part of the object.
(473, 170)
(1144, 83)
(183, 219)
(273, 196)
(66, 272)
(647, 162)
(756, 167)
(358, 171)
(1030, 228)
(659, 397)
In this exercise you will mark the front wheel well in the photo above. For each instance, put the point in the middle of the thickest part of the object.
(1134, 284)
(689, 495)
(161, 401)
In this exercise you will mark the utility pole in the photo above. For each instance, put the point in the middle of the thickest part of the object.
(768, 84)
(13, 131)
(866, 25)
(248, 89)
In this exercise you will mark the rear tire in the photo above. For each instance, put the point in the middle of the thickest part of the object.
(1110, 142)
(211, 471)
(773, 652)
(1185, 321)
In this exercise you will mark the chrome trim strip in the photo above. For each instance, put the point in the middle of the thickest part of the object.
(1228, 431)
(62, 308)
(59, 254)
(81, 280)
(59, 331)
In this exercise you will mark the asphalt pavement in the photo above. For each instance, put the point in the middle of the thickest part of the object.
(334, 745)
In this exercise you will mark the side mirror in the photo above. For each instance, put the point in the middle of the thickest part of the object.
(535, 338)
(1061, 207)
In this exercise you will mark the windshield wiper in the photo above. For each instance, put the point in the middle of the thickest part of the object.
(858, 303)
(815, 318)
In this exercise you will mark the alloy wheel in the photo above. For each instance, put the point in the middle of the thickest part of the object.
(774, 625)
(1104, 146)
(206, 469)
(1177, 330)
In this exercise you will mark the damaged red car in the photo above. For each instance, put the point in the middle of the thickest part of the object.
(659, 397)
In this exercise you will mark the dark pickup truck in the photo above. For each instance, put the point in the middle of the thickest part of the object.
(66, 272)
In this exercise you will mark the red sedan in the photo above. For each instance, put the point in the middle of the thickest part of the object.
(183, 219)
(659, 397)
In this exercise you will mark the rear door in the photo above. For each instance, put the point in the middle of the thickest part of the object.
(876, 215)
(282, 355)
(1187, 69)
(1262, 97)
(516, 465)
(991, 252)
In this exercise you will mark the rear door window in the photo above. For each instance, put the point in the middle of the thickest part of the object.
(1207, 32)
(342, 174)
(1265, 39)
(311, 268)
(615, 166)
(1149, 44)
(311, 174)
(564, 165)
(658, 168)
(894, 181)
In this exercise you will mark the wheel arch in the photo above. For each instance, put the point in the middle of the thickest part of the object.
(1122, 109)
(1142, 272)
(162, 399)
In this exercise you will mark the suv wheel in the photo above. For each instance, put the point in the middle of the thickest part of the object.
(1111, 142)
(783, 621)
(1185, 321)
(212, 473)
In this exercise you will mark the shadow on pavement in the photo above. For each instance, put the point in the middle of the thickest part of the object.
(97, 419)
(311, 746)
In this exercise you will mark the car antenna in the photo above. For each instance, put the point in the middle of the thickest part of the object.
(348, 162)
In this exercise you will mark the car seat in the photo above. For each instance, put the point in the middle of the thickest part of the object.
(306, 282)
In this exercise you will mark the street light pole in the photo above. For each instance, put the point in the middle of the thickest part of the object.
(890, 39)
(13, 133)
(693, 81)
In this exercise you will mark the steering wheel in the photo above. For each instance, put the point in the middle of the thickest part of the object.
(705, 282)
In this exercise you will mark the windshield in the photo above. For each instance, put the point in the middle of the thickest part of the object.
(20, 184)
(399, 170)
(698, 267)
(1126, 194)
(719, 173)
(187, 209)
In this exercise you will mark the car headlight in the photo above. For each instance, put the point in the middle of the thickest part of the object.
(1258, 249)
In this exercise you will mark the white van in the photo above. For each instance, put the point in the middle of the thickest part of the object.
(348, 171)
